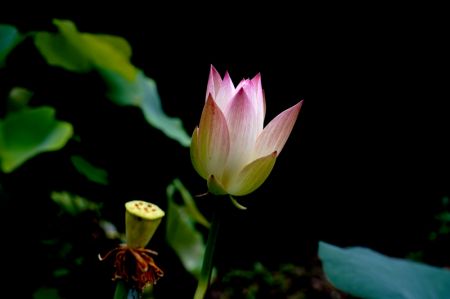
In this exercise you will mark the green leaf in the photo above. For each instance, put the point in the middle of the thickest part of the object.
(26, 133)
(46, 293)
(143, 93)
(444, 217)
(181, 234)
(367, 274)
(18, 98)
(189, 204)
(60, 272)
(118, 43)
(74, 204)
(59, 51)
(83, 52)
(110, 55)
(9, 38)
(92, 173)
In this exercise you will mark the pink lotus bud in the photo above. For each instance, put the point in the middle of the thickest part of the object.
(231, 148)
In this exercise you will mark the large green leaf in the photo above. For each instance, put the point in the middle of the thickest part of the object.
(92, 173)
(83, 52)
(371, 275)
(9, 38)
(181, 233)
(27, 133)
(110, 56)
(143, 93)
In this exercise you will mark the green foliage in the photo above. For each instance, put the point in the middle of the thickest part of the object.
(29, 132)
(181, 233)
(443, 219)
(189, 204)
(92, 173)
(368, 274)
(9, 38)
(25, 132)
(110, 56)
(143, 93)
(84, 52)
(46, 293)
(282, 281)
(18, 98)
(74, 204)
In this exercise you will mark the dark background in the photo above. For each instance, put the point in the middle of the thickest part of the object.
(367, 163)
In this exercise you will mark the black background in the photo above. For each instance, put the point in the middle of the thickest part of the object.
(367, 163)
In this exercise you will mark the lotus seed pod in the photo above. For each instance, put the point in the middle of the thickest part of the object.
(141, 220)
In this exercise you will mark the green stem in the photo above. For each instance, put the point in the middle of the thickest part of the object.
(207, 266)
(123, 292)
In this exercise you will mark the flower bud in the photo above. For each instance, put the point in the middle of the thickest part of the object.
(231, 148)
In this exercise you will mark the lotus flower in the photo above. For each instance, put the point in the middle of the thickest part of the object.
(231, 148)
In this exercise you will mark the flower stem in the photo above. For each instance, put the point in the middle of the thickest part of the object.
(205, 274)
(123, 292)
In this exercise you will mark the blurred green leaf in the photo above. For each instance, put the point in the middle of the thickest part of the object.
(46, 293)
(9, 38)
(27, 133)
(189, 204)
(181, 233)
(118, 43)
(444, 217)
(74, 204)
(109, 229)
(110, 55)
(92, 173)
(433, 236)
(60, 272)
(365, 273)
(83, 52)
(444, 222)
(18, 98)
(143, 93)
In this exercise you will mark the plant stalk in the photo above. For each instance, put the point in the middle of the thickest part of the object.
(205, 274)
